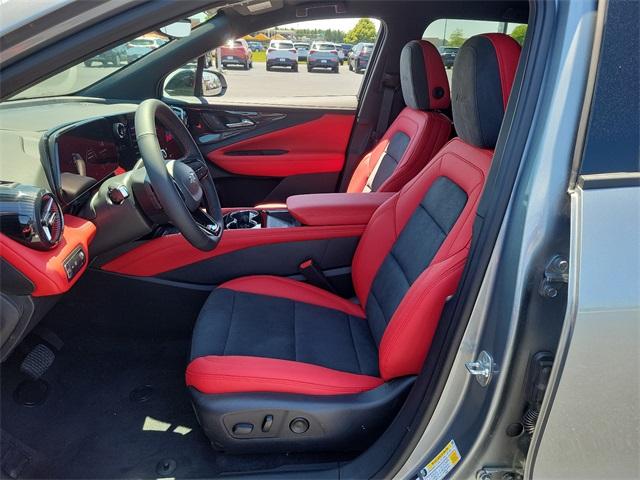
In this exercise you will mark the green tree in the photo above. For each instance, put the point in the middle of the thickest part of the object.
(364, 31)
(519, 33)
(456, 39)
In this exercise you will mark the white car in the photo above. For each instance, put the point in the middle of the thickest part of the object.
(282, 53)
(323, 55)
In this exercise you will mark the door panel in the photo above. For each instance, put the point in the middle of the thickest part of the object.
(266, 154)
(317, 146)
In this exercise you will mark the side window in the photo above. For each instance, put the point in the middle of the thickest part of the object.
(449, 34)
(310, 63)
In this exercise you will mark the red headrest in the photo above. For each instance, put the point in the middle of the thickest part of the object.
(483, 74)
(424, 81)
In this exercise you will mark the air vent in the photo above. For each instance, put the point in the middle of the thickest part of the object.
(30, 215)
(51, 221)
(120, 130)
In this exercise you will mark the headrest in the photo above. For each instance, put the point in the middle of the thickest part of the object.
(483, 74)
(424, 81)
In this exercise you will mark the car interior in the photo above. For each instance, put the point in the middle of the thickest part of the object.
(198, 289)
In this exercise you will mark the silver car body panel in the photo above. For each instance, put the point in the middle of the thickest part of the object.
(590, 428)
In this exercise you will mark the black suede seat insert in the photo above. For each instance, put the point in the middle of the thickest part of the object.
(239, 323)
(390, 160)
(413, 251)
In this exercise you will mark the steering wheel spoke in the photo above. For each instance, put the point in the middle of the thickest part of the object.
(182, 186)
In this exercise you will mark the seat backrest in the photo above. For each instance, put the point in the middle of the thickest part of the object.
(413, 251)
(418, 132)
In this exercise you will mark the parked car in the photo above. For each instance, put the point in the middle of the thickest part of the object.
(303, 50)
(282, 53)
(140, 47)
(114, 57)
(323, 55)
(448, 55)
(359, 57)
(343, 51)
(256, 46)
(236, 52)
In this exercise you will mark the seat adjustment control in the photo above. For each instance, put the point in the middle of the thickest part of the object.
(242, 428)
(299, 425)
(267, 423)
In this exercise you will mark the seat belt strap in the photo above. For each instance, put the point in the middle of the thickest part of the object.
(390, 85)
(313, 275)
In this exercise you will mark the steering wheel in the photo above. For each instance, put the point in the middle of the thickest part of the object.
(184, 187)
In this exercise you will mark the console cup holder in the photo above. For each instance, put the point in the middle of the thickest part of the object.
(242, 219)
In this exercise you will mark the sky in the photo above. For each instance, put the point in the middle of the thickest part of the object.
(437, 29)
(344, 24)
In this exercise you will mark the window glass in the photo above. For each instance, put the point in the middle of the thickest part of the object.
(449, 34)
(92, 70)
(311, 63)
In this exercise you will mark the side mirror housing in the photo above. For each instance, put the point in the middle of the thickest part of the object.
(213, 83)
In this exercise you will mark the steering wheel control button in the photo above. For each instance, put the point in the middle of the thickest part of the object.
(118, 194)
(299, 425)
(242, 428)
(267, 423)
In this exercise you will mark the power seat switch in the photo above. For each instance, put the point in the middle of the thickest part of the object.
(74, 262)
(242, 428)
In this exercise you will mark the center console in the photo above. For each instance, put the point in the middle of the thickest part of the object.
(253, 218)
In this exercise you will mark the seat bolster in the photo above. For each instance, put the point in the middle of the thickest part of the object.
(293, 290)
(408, 337)
(235, 374)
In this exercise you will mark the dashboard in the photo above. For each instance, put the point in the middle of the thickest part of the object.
(30, 129)
(85, 154)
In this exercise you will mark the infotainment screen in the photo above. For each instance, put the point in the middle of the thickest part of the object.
(89, 149)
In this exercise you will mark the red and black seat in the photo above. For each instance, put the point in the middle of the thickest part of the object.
(418, 132)
(277, 364)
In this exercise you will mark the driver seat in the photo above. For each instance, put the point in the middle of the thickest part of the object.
(280, 365)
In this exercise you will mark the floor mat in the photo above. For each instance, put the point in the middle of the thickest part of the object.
(91, 425)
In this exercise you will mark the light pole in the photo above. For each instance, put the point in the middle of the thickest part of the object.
(444, 35)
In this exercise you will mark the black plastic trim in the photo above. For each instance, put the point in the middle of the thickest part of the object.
(336, 422)
(13, 281)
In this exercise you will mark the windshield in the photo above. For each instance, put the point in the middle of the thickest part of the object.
(96, 68)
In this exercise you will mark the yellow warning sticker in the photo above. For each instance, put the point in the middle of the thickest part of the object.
(442, 464)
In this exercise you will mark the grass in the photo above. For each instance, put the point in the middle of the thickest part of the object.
(261, 57)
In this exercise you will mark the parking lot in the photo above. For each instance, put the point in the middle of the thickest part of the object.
(258, 83)
(257, 86)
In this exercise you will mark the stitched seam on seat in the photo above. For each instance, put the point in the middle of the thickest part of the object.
(400, 266)
(434, 219)
(233, 306)
(282, 381)
(353, 343)
(295, 339)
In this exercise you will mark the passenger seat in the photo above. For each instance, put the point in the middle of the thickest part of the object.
(418, 132)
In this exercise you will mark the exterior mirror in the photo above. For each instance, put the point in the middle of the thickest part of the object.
(177, 29)
(213, 83)
(182, 83)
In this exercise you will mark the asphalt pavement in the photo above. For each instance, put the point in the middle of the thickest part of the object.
(282, 82)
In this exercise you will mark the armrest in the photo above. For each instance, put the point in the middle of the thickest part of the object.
(336, 208)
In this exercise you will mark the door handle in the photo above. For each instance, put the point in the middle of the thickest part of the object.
(245, 122)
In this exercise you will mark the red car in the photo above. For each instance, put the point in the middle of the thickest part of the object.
(236, 52)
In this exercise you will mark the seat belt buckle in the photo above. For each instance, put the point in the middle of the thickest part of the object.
(313, 275)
